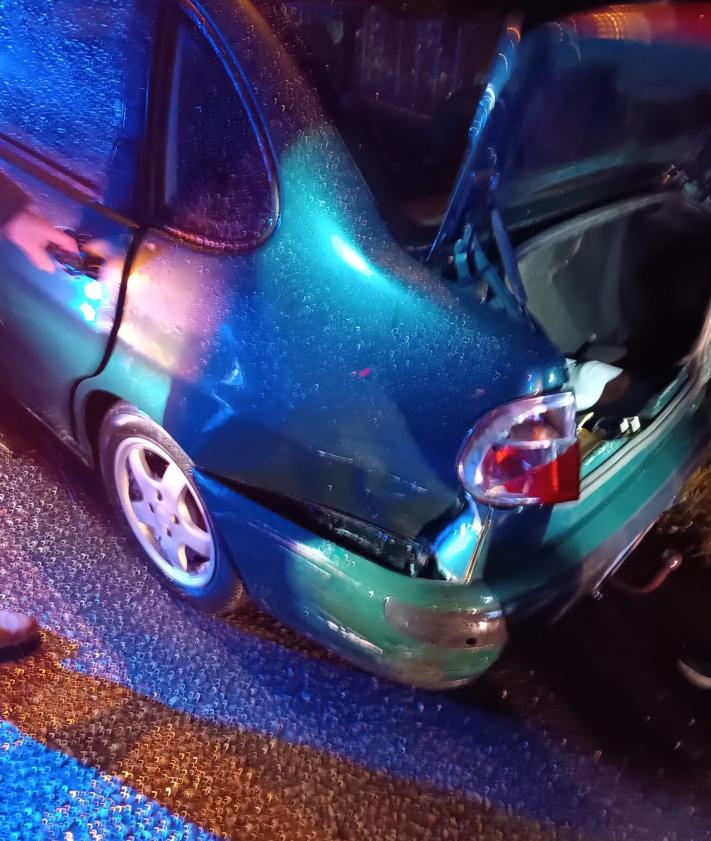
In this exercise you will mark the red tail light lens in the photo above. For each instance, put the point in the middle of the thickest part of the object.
(524, 453)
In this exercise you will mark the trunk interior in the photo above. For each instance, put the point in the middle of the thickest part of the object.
(627, 286)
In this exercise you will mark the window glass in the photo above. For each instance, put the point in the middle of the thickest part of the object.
(614, 100)
(217, 185)
(72, 79)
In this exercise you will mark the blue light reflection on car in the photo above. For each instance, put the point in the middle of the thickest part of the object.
(350, 256)
(87, 311)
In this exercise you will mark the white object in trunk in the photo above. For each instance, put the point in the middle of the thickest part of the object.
(588, 380)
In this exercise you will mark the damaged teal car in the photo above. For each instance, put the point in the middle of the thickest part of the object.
(390, 316)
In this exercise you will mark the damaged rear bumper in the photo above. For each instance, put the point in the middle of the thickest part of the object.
(440, 634)
(422, 632)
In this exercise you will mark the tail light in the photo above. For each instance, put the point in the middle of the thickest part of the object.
(524, 453)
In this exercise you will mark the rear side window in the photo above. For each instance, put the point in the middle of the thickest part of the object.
(217, 183)
(73, 75)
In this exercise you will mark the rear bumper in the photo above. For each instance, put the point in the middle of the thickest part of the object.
(422, 632)
(437, 634)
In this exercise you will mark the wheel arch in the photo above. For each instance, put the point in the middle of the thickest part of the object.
(91, 414)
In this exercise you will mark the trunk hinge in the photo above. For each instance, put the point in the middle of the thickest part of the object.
(468, 253)
(468, 179)
(473, 268)
(507, 252)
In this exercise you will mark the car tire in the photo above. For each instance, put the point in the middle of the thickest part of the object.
(149, 482)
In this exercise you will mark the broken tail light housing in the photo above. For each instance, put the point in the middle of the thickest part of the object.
(524, 453)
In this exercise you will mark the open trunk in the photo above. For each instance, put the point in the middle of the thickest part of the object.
(628, 286)
(609, 110)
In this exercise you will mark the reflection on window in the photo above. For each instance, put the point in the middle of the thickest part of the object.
(216, 182)
(65, 69)
(590, 101)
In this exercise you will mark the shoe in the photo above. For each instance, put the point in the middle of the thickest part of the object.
(695, 665)
(16, 629)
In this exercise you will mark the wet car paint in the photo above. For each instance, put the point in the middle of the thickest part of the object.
(330, 366)
(56, 329)
(334, 368)
(455, 632)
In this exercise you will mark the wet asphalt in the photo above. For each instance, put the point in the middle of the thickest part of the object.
(138, 718)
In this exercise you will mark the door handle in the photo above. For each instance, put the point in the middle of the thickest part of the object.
(83, 264)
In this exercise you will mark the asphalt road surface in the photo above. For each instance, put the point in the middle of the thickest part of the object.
(138, 718)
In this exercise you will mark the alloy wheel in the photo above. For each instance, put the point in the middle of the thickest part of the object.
(164, 512)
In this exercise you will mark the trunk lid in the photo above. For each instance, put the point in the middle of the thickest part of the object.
(576, 116)
(581, 112)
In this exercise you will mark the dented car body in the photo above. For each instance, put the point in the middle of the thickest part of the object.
(368, 362)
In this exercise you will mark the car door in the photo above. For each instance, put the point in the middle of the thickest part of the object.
(73, 80)
(189, 303)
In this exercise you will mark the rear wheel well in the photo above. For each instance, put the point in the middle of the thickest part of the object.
(97, 405)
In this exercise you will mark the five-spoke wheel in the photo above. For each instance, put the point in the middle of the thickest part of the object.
(164, 512)
(149, 479)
